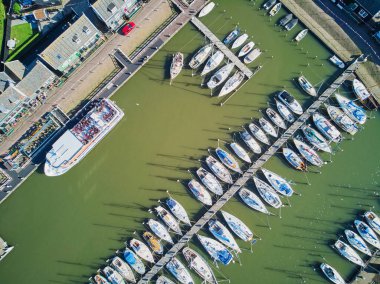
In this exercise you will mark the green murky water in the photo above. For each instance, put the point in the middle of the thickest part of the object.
(64, 228)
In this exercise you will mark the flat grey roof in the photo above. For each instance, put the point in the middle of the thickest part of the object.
(17, 68)
(4, 81)
(9, 100)
(103, 8)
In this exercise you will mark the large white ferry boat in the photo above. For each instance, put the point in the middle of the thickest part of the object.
(77, 142)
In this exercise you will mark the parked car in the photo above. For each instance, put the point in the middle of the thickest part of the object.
(128, 28)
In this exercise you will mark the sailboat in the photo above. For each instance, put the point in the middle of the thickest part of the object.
(160, 230)
(153, 243)
(216, 250)
(332, 274)
(200, 192)
(206, 9)
(307, 86)
(290, 102)
(100, 280)
(252, 200)
(251, 56)
(179, 271)
(347, 252)
(286, 19)
(178, 210)
(219, 170)
(258, 133)
(278, 183)
(240, 152)
(373, 220)
(250, 142)
(164, 280)
(275, 118)
(342, 119)
(268, 127)
(123, 269)
(213, 62)
(134, 261)
(308, 153)
(362, 93)
(316, 139)
(113, 276)
(168, 219)
(237, 226)
(285, 112)
(327, 128)
(221, 233)
(367, 233)
(210, 181)
(351, 109)
(267, 193)
(289, 26)
(200, 56)
(246, 49)
(199, 265)
(228, 160)
(357, 242)
(141, 250)
(176, 66)
(294, 160)
(220, 76)
(232, 83)
(239, 41)
(301, 35)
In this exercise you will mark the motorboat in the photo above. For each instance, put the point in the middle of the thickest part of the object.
(176, 66)
(123, 269)
(240, 152)
(289, 26)
(153, 243)
(307, 86)
(357, 242)
(308, 153)
(246, 49)
(159, 230)
(267, 193)
(141, 250)
(286, 19)
(252, 55)
(213, 62)
(168, 219)
(232, 83)
(367, 233)
(219, 170)
(290, 102)
(258, 133)
(294, 160)
(164, 280)
(360, 90)
(228, 160)
(316, 139)
(199, 265)
(347, 252)
(252, 200)
(200, 56)
(206, 9)
(250, 142)
(342, 119)
(239, 41)
(336, 61)
(285, 112)
(327, 128)
(332, 274)
(275, 9)
(301, 35)
(179, 271)
(177, 210)
(269, 4)
(231, 36)
(200, 192)
(216, 250)
(210, 181)
(278, 183)
(220, 76)
(237, 226)
(351, 109)
(373, 220)
(268, 127)
(221, 233)
(100, 279)
(275, 118)
(113, 276)
(134, 261)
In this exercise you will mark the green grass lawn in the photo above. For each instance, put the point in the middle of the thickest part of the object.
(24, 35)
(2, 18)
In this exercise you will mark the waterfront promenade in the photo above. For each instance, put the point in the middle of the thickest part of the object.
(242, 180)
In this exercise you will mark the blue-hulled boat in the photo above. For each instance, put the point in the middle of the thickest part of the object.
(134, 261)
(231, 36)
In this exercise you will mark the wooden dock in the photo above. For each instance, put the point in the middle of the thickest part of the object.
(221, 46)
(241, 181)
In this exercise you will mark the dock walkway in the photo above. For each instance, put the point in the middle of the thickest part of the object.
(222, 47)
(249, 173)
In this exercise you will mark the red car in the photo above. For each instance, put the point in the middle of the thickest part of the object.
(127, 28)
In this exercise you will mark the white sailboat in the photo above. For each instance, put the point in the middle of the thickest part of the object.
(267, 193)
(210, 181)
(221, 233)
(307, 86)
(200, 56)
(278, 183)
(268, 127)
(178, 210)
(250, 57)
(285, 112)
(124, 270)
(160, 230)
(200, 192)
(240, 152)
(220, 76)
(351, 109)
(275, 118)
(342, 119)
(199, 265)
(258, 133)
(179, 271)
(237, 226)
(308, 153)
(327, 128)
(168, 219)
(239, 41)
(250, 142)
(176, 66)
(252, 200)
(206, 9)
(213, 62)
(141, 250)
(246, 49)
(275, 9)
(347, 252)
(232, 83)
(219, 170)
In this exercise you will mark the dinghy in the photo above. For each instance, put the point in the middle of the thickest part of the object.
(269, 4)
(268, 127)
(316, 139)
(278, 183)
(220, 76)
(221, 233)
(178, 210)
(232, 83)
(275, 118)
(200, 56)
(123, 269)
(113, 276)
(251, 56)
(285, 112)
(284, 20)
(360, 90)
(141, 250)
(250, 142)
(308, 153)
(164, 280)
(337, 62)
(246, 49)
(351, 109)
(342, 120)
(301, 35)
(210, 181)
(160, 230)
(290, 102)
(100, 279)
(219, 170)
(326, 128)
(307, 86)
(367, 233)
(200, 192)
(239, 41)
(373, 220)
(237, 226)
(134, 261)
(176, 66)
(258, 133)
(216, 250)
(357, 242)
(231, 36)
(275, 9)
(332, 274)
(206, 9)
(289, 26)
(199, 265)
(213, 62)
(347, 252)
(179, 271)
(228, 160)
(240, 152)
(267, 193)
(294, 160)
(252, 200)
(168, 219)
(153, 243)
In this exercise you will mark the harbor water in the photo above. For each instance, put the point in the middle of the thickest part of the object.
(64, 228)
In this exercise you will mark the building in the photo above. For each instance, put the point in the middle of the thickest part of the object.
(367, 11)
(72, 46)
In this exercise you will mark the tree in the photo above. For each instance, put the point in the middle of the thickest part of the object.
(17, 8)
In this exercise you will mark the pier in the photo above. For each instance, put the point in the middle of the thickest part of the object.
(242, 180)
(221, 46)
